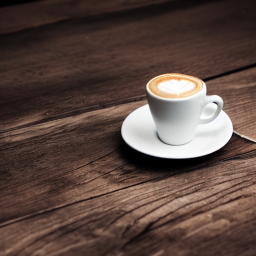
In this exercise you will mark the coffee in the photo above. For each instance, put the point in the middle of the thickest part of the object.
(175, 86)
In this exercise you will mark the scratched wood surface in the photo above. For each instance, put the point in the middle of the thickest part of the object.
(69, 185)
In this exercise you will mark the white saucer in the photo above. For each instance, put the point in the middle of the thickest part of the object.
(139, 132)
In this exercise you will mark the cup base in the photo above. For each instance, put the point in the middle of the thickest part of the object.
(173, 144)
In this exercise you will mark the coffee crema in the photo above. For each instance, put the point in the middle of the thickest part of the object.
(175, 86)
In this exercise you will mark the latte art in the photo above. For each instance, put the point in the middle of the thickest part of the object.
(175, 86)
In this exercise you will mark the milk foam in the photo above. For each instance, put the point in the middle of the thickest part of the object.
(176, 86)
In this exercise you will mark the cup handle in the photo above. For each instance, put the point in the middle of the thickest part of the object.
(212, 99)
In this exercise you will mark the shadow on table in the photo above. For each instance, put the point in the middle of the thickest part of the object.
(146, 163)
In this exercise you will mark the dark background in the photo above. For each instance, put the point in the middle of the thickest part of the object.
(14, 2)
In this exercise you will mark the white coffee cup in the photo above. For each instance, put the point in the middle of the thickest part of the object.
(176, 119)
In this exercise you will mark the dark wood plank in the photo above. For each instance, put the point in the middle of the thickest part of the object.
(62, 162)
(29, 15)
(86, 64)
(191, 211)
(239, 92)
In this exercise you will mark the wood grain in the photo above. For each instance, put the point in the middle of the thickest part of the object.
(86, 64)
(184, 211)
(72, 159)
(69, 185)
(15, 18)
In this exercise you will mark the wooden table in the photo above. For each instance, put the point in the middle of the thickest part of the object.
(71, 71)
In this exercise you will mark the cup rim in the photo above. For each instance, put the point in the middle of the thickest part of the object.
(175, 99)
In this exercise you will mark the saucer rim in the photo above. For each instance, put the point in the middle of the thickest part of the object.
(216, 148)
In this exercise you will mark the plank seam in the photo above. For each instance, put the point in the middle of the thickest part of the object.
(118, 103)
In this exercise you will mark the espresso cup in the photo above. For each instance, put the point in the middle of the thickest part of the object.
(176, 103)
